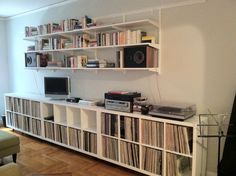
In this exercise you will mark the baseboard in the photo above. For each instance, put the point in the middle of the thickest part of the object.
(209, 173)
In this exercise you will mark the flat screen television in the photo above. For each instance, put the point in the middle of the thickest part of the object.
(57, 87)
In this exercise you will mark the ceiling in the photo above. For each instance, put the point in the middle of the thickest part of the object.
(9, 8)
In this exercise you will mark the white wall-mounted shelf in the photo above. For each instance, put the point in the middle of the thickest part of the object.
(118, 26)
(156, 46)
(92, 69)
(110, 40)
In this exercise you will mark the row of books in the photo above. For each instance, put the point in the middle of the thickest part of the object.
(75, 137)
(64, 25)
(109, 124)
(75, 61)
(120, 38)
(36, 127)
(26, 123)
(53, 43)
(110, 148)
(177, 165)
(84, 40)
(129, 153)
(35, 108)
(129, 128)
(90, 142)
(152, 160)
(152, 133)
(26, 107)
(49, 130)
(179, 138)
(61, 134)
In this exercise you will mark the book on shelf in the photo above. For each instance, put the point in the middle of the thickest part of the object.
(31, 31)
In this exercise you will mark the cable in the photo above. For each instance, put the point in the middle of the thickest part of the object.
(36, 83)
(157, 87)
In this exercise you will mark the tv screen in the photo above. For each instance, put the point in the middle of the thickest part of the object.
(54, 86)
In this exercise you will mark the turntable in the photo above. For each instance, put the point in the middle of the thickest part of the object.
(173, 110)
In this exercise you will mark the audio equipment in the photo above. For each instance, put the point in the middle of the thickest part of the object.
(140, 57)
(31, 59)
(120, 100)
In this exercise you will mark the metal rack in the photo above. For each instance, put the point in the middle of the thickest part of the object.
(219, 120)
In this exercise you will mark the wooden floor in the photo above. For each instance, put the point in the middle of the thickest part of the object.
(37, 156)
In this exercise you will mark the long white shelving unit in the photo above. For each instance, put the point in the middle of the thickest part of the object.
(145, 25)
(149, 145)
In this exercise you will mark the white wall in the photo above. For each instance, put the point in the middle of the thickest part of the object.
(3, 64)
(198, 56)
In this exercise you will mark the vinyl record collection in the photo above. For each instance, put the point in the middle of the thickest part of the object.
(109, 124)
(35, 107)
(49, 130)
(129, 153)
(26, 123)
(75, 137)
(26, 107)
(129, 128)
(110, 148)
(90, 142)
(179, 138)
(61, 134)
(148, 156)
(177, 165)
(36, 126)
(152, 133)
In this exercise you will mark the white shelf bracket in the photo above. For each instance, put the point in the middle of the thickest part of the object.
(124, 18)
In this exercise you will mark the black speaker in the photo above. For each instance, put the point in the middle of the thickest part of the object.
(31, 59)
(140, 57)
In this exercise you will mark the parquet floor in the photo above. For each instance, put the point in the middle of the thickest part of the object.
(37, 156)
